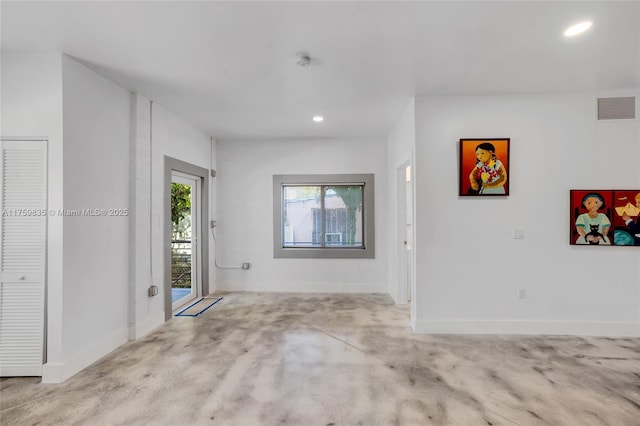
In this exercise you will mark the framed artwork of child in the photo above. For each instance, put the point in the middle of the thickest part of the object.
(484, 167)
(590, 217)
(604, 217)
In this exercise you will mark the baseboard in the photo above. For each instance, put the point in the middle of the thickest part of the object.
(59, 372)
(146, 325)
(573, 328)
(298, 287)
(30, 371)
(52, 373)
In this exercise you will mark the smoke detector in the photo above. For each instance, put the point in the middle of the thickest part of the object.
(303, 60)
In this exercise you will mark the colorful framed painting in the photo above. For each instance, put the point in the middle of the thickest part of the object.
(484, 167)
(604, 217)
(626, 217)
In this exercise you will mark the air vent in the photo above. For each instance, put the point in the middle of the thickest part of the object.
(617, 108)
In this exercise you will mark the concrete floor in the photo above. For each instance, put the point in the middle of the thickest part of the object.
(272, 359)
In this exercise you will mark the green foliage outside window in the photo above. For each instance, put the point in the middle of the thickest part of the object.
(352, 199)
(180, 205)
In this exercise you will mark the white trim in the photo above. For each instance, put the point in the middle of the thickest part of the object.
(31, 371)
(301, 287)
(59, 372)
(52, 373)
(574, 328)
(193, 182)
(147, 325)
(24, 138)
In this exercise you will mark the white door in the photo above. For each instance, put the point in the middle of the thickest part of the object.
(408, 218)
(405, 233)
(23, 167)
(186, 278)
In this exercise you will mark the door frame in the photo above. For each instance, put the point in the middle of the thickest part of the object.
(406, 259)
(175, 165)
(403, 265)
(194, 182)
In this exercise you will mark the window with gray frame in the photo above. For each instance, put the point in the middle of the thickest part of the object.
(323, 216)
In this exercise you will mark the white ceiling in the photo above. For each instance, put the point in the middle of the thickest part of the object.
(229, 67)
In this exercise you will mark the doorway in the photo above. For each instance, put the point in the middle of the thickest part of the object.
(185, 236)
(405, 233)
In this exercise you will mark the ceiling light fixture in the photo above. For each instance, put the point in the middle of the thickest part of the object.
(303, 60)
(318, 118)
(578, 28)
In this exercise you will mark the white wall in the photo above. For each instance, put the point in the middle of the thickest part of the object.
(400, 148)
(95, 292)
(96, 176)
(469, 268)
(173, 137)
(31, 104)
(141, 306)
(245, 214)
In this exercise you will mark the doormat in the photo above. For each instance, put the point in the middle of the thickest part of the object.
(198, 307)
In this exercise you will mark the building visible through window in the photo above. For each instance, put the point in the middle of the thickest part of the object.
(319, 216)
(329, 213)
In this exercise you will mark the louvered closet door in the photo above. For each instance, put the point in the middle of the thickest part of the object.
(23, 240)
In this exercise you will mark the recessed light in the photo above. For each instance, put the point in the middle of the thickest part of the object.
(318, 118)
(578, 28)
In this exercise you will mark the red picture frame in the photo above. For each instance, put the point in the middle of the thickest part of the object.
(604, 217)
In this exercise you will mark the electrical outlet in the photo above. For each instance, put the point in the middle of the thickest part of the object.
(522, 293)
(518, 233)
(246, 265)
(212, 223)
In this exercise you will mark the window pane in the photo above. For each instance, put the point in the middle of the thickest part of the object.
(324, 216)
(302, 228)
(343, 216)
